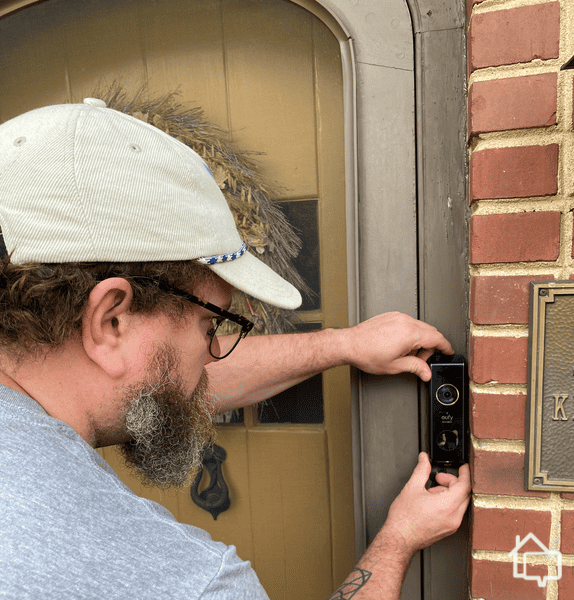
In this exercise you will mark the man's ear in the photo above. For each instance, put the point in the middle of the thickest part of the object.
(104, 325)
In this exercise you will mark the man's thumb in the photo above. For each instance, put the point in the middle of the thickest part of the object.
(422, 471)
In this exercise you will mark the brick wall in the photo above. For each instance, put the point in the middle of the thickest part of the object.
(521, 154)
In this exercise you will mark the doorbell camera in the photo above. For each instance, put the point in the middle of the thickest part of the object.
(448, 412)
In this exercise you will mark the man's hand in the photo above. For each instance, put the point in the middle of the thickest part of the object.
(394, 343)
(419, 517)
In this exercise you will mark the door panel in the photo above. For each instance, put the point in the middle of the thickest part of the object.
(290, 504)
(95, 51)
(184, 48)
(34, 68)
(272, 99)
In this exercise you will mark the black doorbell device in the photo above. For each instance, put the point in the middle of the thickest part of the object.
(449, 436)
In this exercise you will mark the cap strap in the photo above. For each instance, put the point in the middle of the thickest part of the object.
(211, 260)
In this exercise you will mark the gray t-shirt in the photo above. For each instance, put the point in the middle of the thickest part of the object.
(69, 527)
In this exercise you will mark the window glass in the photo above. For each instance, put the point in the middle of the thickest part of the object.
(303, 216)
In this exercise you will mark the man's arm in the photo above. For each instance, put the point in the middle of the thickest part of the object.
(417, 518)
(262, 366)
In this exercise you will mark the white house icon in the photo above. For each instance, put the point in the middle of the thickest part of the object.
(543, 552)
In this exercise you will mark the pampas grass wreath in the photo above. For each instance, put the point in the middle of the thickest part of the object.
(261, 223)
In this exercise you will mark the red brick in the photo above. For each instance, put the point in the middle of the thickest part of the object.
(497, 528)
(515, 237)
(567, 496)
(517, 35)
(498, 416)
(495, 581)
(500, 473)
(501, 300)
(567, 527)
(498, 359)
(513, 103)
(518, 172)
(566, 583)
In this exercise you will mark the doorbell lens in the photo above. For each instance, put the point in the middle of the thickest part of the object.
(447, 394)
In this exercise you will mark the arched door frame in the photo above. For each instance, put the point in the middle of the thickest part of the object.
(406, 166)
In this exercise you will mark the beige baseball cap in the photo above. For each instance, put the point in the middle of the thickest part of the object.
(85, 183)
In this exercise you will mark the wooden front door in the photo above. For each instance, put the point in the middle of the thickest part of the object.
(269, 73)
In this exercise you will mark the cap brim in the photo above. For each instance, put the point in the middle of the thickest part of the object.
(254, 277)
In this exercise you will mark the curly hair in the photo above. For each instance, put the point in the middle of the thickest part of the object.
(42, 305)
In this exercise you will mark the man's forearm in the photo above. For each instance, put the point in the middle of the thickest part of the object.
(380, 572)
(262, 366)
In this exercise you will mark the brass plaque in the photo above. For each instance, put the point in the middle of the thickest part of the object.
(550, 402)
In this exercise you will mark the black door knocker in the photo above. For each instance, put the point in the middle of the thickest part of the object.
(215, 497)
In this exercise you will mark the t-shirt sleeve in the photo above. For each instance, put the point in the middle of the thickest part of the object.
(235, 580)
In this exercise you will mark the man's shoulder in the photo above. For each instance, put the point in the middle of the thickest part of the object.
(56, 493)
(15, 405)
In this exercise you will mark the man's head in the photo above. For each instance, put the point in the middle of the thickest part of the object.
(96, 208)
(81, 183)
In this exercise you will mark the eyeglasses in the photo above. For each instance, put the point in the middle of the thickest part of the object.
(226, 323)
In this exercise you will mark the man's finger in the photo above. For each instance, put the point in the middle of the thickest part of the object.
(464, 477)
(446, 479)
(430, 338)
(444, 346)
(422, 471)
(413, 364)
(425, 353)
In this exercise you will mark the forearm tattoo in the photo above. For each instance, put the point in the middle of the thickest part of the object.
(350, 588)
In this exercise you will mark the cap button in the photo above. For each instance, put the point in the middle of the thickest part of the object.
(95, 102)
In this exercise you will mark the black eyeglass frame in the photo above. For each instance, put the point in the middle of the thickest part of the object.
(245, 324)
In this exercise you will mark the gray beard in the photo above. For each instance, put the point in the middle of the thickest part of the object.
(169, 428)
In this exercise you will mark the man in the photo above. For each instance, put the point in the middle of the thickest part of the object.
(121, 256)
